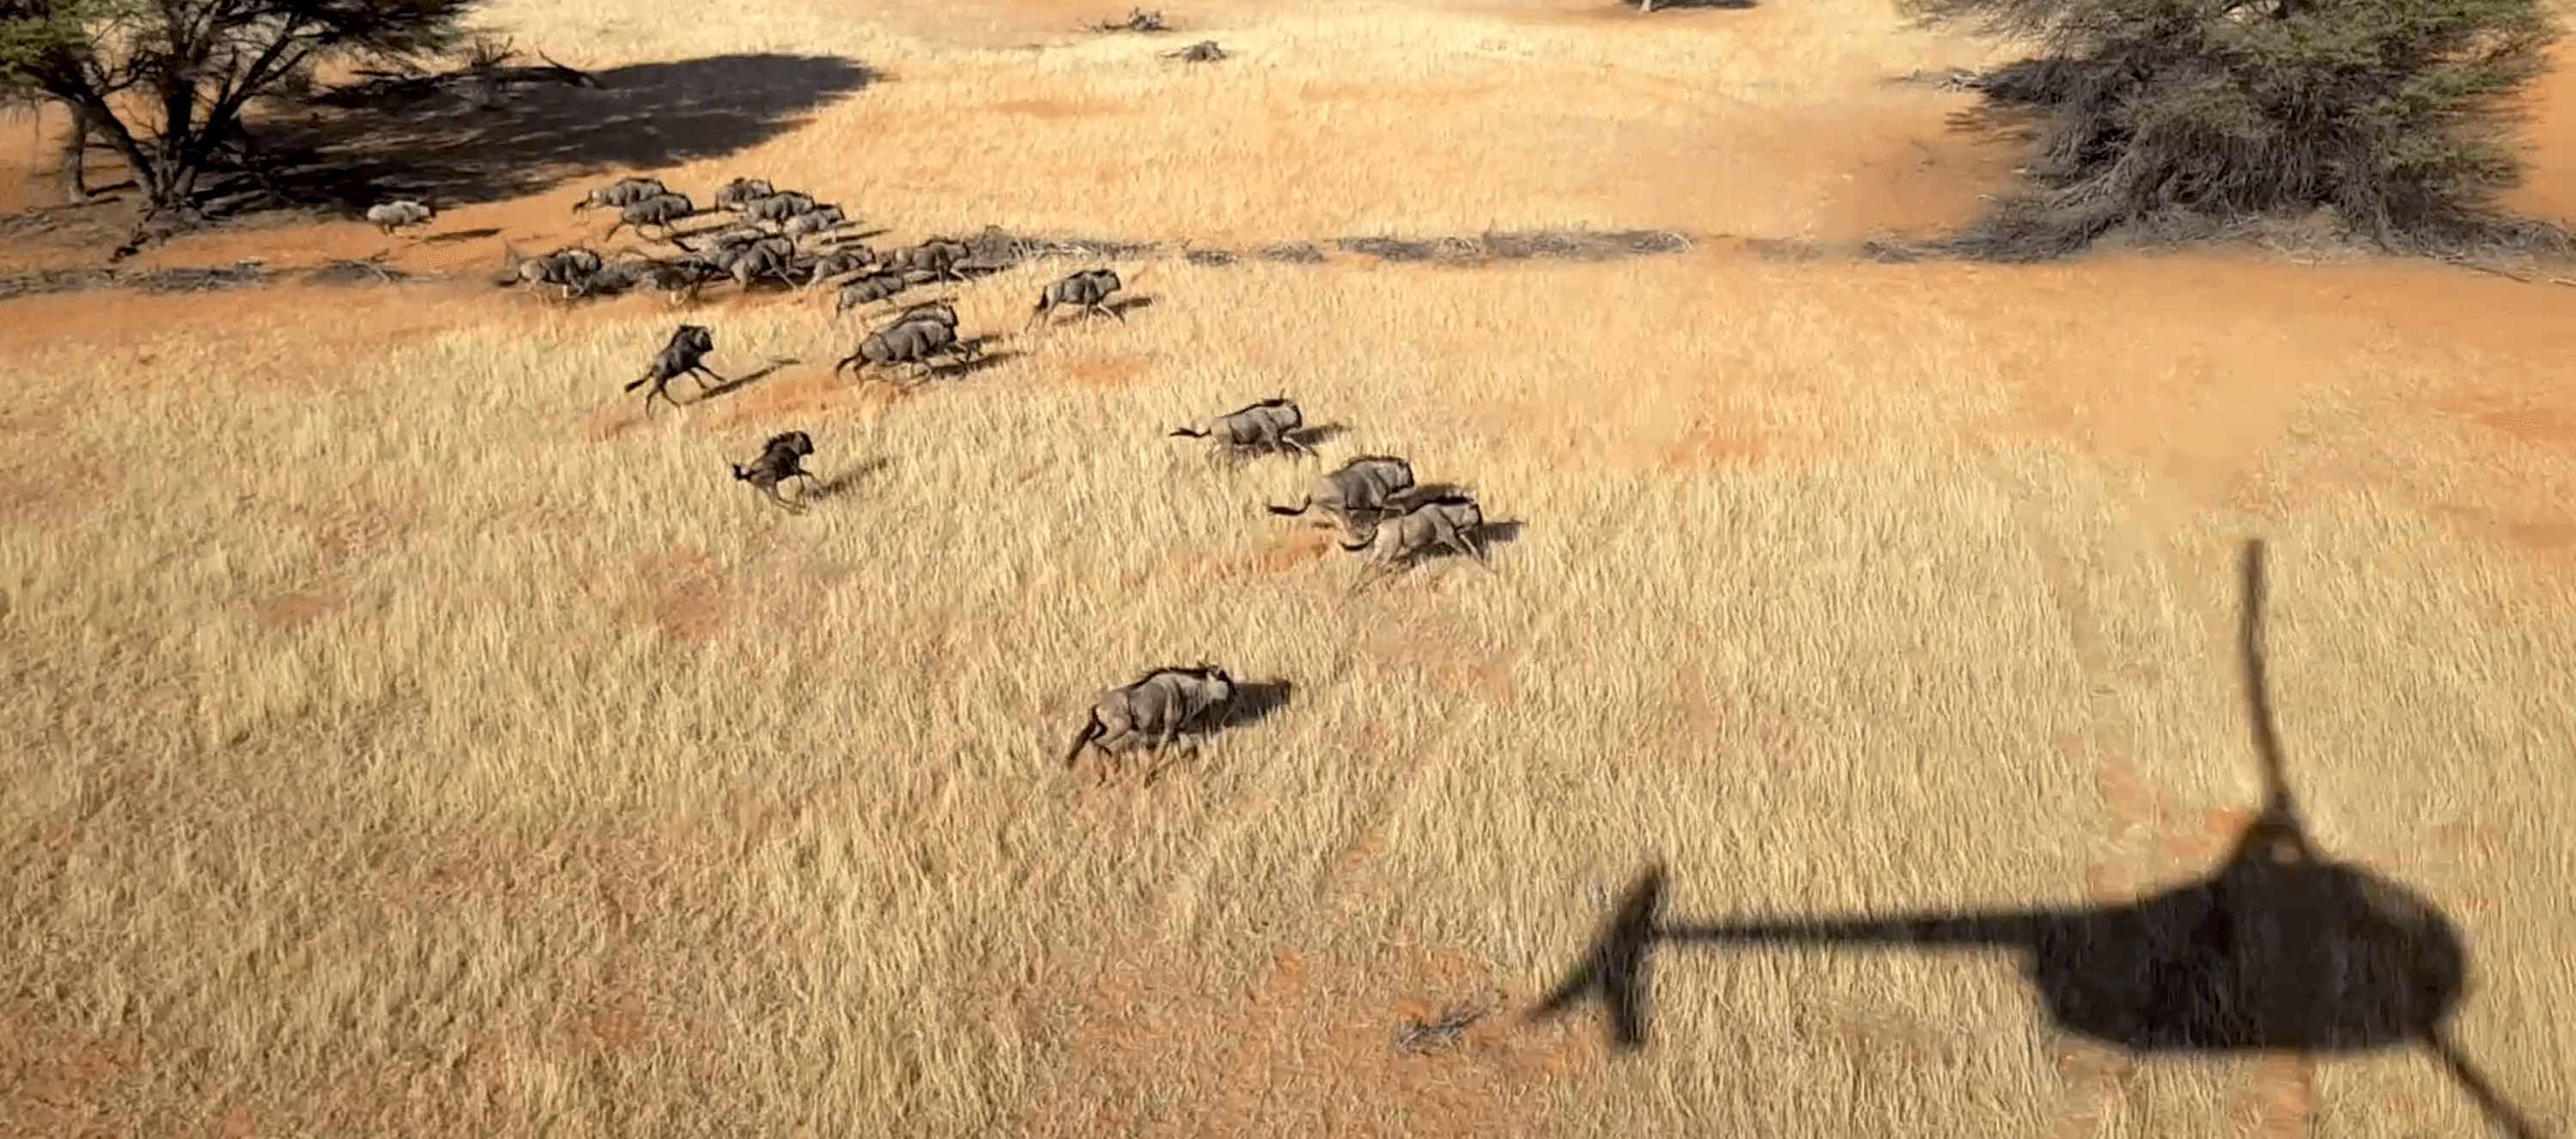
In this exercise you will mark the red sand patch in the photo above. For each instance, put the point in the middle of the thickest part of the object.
(1275, 555)
(1309, 1047)
(688, 595)
(290, 611)
(1107, 373)
(2279, 1098)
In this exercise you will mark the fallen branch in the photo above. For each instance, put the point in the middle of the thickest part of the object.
(485, 71)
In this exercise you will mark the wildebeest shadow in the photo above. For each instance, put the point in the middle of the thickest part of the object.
(744, 380)
(643, 117)
(1124, 305)
(965, 368)
(453, 236)
(1429, 491)
(1254, 701)
(1320, 433)
(2281, 948)
(848, 479)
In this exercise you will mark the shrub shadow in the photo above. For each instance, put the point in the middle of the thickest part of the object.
(642, 118)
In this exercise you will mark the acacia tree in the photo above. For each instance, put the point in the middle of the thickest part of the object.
(166, 82)
(2184, 114)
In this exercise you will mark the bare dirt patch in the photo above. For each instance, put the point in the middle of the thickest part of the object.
(1315, 1041)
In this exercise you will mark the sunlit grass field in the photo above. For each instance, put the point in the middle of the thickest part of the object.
(418, 738)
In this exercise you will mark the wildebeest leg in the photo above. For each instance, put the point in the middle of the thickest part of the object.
(1461, 543)
(696, 369)
(1297, 447)
(1114, 314)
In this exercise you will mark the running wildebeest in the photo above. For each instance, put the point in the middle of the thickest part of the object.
(1154, 710)
(758, 259)
(1271, 424)
(881, 286)
(820, 219)
(658, 210)
(684, 355)
(1450, 522)
(777, 208)
(1363, 485)
(399, 214)
(939, 311)
(780, 459)
(621, 193)
(1084, 290)
(735, 194)
(838, 262)
(938, 257)
(568, 269)
(914, 341)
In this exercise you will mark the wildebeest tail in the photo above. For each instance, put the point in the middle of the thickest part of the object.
(1302, 504)
(640, 382)
(1091, 731)
(738, 472)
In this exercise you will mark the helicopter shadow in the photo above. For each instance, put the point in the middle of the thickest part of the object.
(2280, 948)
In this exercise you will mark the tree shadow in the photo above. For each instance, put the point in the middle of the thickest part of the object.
(642, 117)
(743, 381)
(848, 479)
(2279, 949)
(1124, 305)
(453, 236)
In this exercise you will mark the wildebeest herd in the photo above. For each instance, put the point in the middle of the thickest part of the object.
(790, 237)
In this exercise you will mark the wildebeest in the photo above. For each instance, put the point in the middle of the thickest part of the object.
(621, 193)
(780, 459)
(820, 219)
(869, 289)
(1155, 709)
(736, 193)
(1084, 290)
(939, 311)
(937, 257)
(777, 208)
(758, 259)
(1363, 485)
(1270, 424)
(684, 355)
(839, 262)
(915, 341)
(658, 210)
(401, 213)
(731, 237)
(567, 269)
(1451, 522)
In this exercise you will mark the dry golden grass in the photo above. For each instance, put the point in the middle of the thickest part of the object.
(423, 742)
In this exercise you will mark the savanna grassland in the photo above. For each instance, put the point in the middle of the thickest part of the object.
(410, 736)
